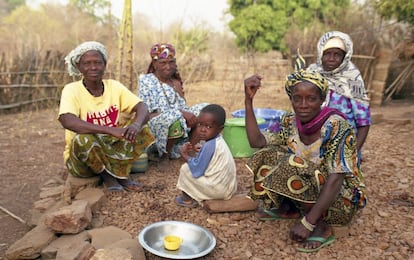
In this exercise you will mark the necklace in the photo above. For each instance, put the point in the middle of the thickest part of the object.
(95, 93)
(165, 93)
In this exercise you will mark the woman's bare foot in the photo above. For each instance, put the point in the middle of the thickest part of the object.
(130, 185)
(111, 183)
(164, 164)
(274, 214)
(321, 236)
(287, 210)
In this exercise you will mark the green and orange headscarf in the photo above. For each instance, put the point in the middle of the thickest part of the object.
(300, 75)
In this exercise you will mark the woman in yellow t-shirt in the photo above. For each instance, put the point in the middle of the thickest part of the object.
(97, 142)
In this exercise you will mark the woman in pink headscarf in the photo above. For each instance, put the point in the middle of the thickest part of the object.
(161, 88)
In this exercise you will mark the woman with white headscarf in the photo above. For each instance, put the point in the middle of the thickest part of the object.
(97, 141)
(346, 86)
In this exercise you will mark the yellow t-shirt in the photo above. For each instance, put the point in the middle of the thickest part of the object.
(104, 110)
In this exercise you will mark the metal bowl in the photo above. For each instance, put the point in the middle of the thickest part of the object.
(197, 241)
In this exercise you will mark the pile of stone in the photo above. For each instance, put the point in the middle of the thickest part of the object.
(66, 224)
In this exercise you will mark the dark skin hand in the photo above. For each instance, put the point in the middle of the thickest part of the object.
(361, 136)
(185, 150)
(255, 137)
(328, 195)
(189, 117)
(75, 124)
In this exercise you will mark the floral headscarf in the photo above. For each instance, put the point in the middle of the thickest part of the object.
(162, 51)
(300, 75)
(345, 80)
(72, 59)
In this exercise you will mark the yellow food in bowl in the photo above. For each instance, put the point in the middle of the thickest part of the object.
(172, 242)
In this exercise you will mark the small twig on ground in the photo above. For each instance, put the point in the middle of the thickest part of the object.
(12, 215)
(20, 190)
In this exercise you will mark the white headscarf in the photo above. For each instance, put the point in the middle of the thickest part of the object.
(72, 59)
(345, 80)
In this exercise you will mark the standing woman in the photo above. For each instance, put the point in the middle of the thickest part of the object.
(346, 86)
(171, 120)
(307, 166)
(97, 142)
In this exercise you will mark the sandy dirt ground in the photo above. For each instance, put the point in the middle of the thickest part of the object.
(31, 145)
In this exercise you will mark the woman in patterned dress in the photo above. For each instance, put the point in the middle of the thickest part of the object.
(307, 164)
(161, 88)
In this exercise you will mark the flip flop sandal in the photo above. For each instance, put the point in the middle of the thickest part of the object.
(270, 215)
(114, 188)
(130, 185)
(324, 242)
(180, 202)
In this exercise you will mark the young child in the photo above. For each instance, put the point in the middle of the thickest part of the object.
(212, 173)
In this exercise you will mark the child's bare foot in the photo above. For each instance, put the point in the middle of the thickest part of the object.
(186, 203)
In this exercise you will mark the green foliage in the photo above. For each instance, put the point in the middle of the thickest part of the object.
(193, 41)
(56, 27)
(98, 9)
(190, 46)
(7, 6)
(402, 10)
(257, 30)
(261, 25)
(13, 4)
(19, 25)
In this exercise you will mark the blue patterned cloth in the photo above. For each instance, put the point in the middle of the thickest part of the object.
(162, 98)
(357, 113)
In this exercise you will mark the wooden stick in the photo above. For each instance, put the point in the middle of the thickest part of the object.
(399, 80)
(12, 215)
(404, 79)
(368, 65)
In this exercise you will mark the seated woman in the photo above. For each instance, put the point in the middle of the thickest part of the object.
(171, 120)
(97, 143)
(308, 163)
(211, 174)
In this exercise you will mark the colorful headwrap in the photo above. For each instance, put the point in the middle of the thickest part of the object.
(300, 75)
(162, 51)
(72, 59)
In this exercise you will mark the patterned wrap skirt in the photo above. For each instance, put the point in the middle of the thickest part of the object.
(279, 175)
(90, 154)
